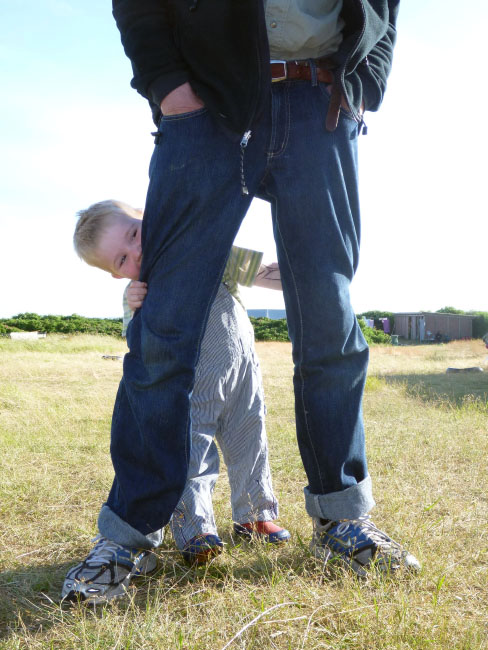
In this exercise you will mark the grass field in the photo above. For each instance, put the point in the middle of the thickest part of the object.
(427, 439)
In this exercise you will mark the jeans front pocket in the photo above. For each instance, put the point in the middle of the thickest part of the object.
(183, 116)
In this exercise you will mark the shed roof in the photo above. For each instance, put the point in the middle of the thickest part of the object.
(432, 313)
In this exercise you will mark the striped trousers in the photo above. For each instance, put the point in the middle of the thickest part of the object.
(227, 406)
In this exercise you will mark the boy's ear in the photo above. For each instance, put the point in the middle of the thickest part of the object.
(117, 277)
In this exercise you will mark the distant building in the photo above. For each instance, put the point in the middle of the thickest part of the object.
(274, 314)
(424, 326)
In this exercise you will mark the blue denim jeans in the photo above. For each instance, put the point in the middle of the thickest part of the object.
(193, 211)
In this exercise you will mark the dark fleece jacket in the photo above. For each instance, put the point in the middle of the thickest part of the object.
(221, 48)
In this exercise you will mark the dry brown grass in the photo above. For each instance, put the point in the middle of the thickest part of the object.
(427, 444)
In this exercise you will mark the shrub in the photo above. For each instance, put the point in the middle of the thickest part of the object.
(480, 324)
(267, 329)
(376, 314)
(450, 310)
(29, 322)
(373, 336)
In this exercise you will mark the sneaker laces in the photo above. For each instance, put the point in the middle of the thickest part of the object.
(104, 551)
(362, 545)
(377, 536)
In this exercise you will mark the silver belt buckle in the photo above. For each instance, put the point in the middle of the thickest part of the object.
(285, 74)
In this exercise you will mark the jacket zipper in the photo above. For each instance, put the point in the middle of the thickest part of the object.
(248, 133)
(359, 119)
(243, 144)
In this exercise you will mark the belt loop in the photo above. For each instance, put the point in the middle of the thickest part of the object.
(313, 72)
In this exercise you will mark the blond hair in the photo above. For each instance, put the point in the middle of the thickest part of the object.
(93, 222)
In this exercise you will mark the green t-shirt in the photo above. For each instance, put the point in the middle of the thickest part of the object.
(242, 267)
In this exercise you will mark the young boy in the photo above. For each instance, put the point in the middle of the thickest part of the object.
(227, 404)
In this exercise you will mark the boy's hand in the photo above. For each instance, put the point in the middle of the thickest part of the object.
(136, 294)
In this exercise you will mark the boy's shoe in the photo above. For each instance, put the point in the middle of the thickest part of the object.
(106, 572)
(265, 530)
(201, 548)
(360, 545)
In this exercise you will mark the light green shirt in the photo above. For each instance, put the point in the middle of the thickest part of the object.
(242, 267)
(303, 29)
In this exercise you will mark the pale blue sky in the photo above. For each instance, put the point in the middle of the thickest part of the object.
(72, 132)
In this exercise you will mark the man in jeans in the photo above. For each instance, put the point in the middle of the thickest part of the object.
(261, 99)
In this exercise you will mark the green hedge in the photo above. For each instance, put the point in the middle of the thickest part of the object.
(265, 329)
(73, 324)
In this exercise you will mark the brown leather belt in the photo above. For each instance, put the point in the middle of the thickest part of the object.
(284, 70)
(301, 70)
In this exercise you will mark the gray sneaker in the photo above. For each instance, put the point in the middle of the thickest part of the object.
(360, 545)
(106, 572)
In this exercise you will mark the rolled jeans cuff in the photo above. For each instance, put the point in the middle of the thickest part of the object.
(351, 503)
(117, 530)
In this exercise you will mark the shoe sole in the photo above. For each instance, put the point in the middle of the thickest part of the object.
(254, 536)
(326, 555)
(115, 593)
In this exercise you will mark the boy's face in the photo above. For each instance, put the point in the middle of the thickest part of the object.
(119, 250)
